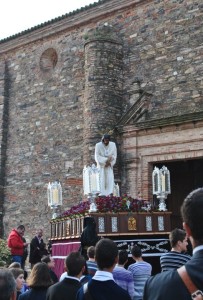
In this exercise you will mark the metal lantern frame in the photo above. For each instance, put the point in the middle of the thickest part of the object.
(54, 195)
(161, 185)
(91, 184)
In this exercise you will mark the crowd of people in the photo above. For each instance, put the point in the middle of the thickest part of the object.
(103, 272)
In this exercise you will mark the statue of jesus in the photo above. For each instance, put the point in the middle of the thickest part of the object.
(105, 156)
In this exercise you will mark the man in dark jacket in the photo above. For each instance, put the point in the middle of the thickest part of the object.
(37, 248)
(68, 287)
(168, 285)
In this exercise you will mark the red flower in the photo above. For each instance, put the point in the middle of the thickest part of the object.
(108, 204)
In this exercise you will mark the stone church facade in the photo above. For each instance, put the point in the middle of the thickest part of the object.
(131, 67)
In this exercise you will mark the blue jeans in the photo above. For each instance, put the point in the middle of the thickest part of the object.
(17, 258)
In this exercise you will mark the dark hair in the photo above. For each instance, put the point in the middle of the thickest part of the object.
(7, 284)
(46, 259)
(176, 235)
(106, 137)
(39, 276)
(122, 256)
(74, 263)
(106, 252)
(16, 272)
(136, 251)
(91, 252)
(22, 227)
(192, 214)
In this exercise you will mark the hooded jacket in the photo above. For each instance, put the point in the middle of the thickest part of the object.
(15, 243)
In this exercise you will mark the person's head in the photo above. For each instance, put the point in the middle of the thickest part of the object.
(19, 277)
(178, 239)
(49, 261)
(7, 285)
(122, 257)
(21, 229)
(106, 254)
(136, 251)
(39, 276)
(14, 265)
(91, 252)
(106, 138)
(89, 222)
(192, 214)
(39, 233)
(75, 264)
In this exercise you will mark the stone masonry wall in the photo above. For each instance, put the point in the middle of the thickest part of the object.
(103, 87)
(45, 131)
(163, 52)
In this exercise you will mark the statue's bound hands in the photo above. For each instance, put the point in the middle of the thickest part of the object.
(108, 162)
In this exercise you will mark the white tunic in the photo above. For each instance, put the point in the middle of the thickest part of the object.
(102, 155)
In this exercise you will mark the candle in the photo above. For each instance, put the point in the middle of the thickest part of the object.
(118, 190)
(93, 182)
(163, 185)
(55, 196)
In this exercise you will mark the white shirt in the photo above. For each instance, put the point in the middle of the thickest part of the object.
(197, 249)
(103, 276)
(65, 275)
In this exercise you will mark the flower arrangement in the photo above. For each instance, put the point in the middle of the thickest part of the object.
(5, 253)
(108, 204)
(77, 210)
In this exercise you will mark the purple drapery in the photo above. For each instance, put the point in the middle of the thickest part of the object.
(59, 252)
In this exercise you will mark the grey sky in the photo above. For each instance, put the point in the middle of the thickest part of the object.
(19, 15)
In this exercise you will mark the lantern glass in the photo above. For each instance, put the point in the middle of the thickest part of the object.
(54, 194)
(91, 180)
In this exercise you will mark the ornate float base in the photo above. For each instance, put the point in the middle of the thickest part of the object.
(114, 224)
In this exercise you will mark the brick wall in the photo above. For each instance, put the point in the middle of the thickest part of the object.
(144, 148)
